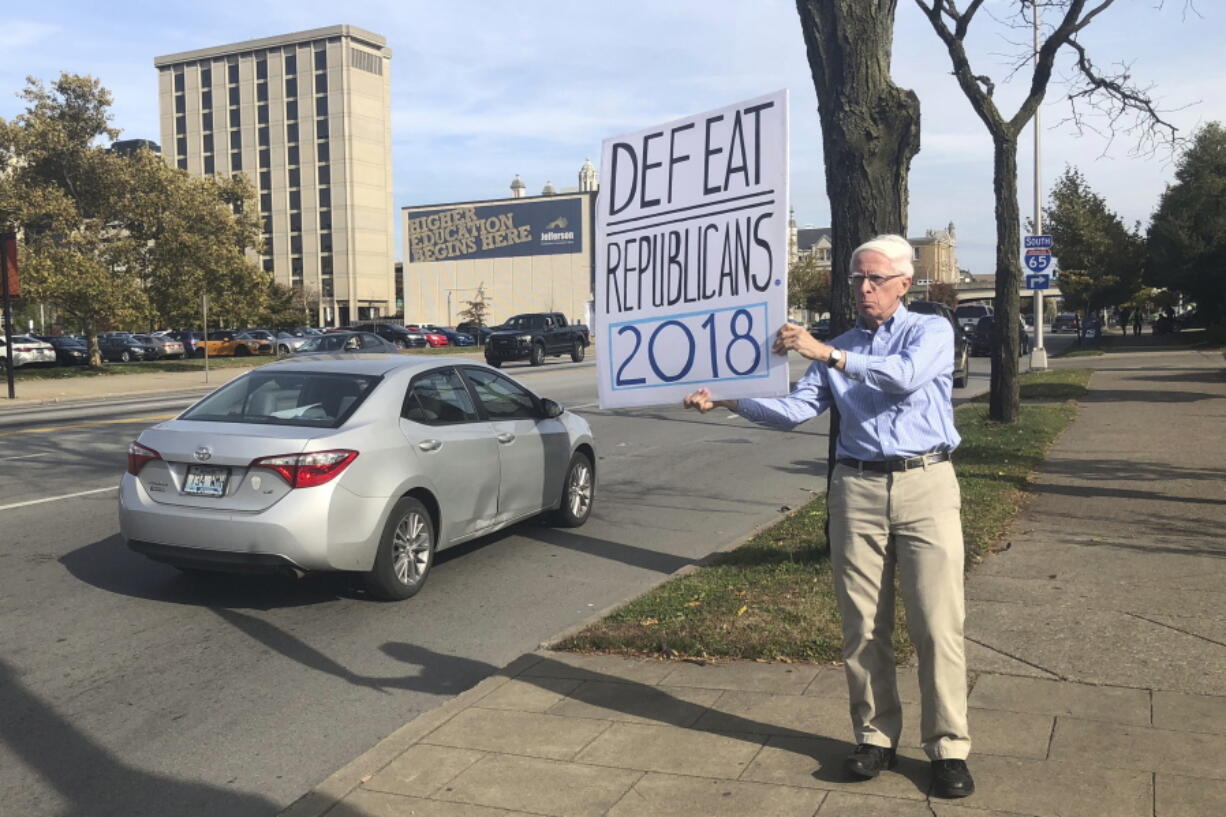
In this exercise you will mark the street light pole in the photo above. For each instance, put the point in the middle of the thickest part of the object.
(1038, 354)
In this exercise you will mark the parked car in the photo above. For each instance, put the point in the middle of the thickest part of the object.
(265, 341)
(821, 329)
(394, 333)
(534, 335)
(119, 348)
(341, 342)
(366, 464)
(69, 351)
(192, 341)
(434, 338)
(164, 346)
(981, 338)
(962, 352)
(27, 351)
(453, 337)
(968, 315)
(1065, 322)
(288, 341)
(477, 331)
(225, 342)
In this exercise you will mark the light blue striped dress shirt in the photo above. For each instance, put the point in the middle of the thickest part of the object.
(894, 399)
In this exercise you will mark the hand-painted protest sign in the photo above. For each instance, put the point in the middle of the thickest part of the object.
(691, 257)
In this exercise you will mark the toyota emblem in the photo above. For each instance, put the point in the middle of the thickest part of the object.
(204, 453)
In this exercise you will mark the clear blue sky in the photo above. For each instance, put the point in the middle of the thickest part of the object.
(484, 90)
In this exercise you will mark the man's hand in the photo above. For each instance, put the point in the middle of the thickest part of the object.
(797, 338)
(702, 402)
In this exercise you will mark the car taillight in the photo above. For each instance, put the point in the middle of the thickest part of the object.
(308, 470)
(138, 455)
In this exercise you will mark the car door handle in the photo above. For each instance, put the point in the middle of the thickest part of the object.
(430, 445)
(506, 437)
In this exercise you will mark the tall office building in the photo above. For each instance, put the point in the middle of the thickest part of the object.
(307, 117)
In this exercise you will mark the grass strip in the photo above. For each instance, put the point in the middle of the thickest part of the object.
(773, 597)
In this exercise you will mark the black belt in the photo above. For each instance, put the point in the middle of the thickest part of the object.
(900, 464)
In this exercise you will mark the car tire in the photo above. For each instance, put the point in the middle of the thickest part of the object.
(125, 356)
(577, 351)
(494, 361)
(537, 355)
(199, 353)
(282, 350)
(401, 344)
(578, 493)
(241, 351)
(406, 552)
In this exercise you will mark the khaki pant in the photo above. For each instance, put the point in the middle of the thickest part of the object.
(908, 518)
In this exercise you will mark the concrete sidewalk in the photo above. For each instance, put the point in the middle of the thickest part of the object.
(1096, 644)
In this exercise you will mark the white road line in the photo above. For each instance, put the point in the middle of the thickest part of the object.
(22, 457)
(54, 498)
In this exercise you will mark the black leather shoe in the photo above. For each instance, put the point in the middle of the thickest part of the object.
(951, 778)
(868, 760)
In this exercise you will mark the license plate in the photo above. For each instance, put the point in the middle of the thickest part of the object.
(206, 480)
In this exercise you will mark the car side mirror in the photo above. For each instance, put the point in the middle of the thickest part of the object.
(551, 408)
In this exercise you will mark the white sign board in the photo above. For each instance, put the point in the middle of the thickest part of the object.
(692, 256)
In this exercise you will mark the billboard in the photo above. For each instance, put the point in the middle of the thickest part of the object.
(516, 228)
(691, 257)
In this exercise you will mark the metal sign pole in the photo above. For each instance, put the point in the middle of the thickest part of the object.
(1038, 354)
(204, 301)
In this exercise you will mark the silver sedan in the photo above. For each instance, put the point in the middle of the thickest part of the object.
(364, 463)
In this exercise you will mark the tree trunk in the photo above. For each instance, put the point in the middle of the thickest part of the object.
(870, 133)
(1003, 403)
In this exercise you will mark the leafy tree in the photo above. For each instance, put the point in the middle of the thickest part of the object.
(943, 293)
(1113, 96)
(1100, 259)
(808, 284)
(476, 310)
(288, 306)
(1187, 236)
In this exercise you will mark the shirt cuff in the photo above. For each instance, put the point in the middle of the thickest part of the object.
(856, 365)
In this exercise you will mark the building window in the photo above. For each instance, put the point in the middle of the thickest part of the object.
(321, 57)
(232, 71)
(207, 141)
(915, 255)
(236, 160)
(180, 125)
(179, 81)
(261, 92)
(295, 177)
(291, 87)
(291, 133)
(366, 61)
(236, 118)
(325, 197)
(295, 265)
(326, 286)
(206, 120)
(291, 110)
(321, 83)
(266, 202)
(262, 136)
(261, 70)
(321, 128)
(266, 180)
(265, 158)
(291, 63)
(206, 76)
(325, 242)
(180, 103)
(261, 114)
(321, 106)
(181, 145)
(295, 199)
(325, 175)
(295, 244)
(325, 265)
(292, 154)
(267, 265)
(182, 162)
(295, 226)
(267, 225)
(322, 150)
(208, 165)
(206, 99)
(325, 220)
(236, 140)
(234, 96)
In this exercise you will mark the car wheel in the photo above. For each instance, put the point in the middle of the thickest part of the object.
(577, 351)
(282, 350)
(241, 351)
(125, 356)
(401, 345)
(537, 356)
(578, 492)
(494, 361)
(406, 552)
(199, 353)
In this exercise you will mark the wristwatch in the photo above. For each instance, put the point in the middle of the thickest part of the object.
(835, 356)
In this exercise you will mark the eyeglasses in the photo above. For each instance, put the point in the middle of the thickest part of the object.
(874, 280)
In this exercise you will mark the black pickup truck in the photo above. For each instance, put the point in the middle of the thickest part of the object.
(534, 335)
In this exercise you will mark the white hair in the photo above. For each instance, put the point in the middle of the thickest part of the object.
(895, 248)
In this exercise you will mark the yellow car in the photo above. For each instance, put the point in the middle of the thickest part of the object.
(223, 343)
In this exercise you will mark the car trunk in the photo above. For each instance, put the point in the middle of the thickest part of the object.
(220, 478)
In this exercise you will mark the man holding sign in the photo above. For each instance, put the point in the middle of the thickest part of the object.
(894, 499)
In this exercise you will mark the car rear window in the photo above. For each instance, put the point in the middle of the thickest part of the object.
(318, 399)
(972, 311)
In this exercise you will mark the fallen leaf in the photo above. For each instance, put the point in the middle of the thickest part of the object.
(647, 622)
(693, 604)
(744, 607)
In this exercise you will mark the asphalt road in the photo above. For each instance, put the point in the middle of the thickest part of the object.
(127, 688)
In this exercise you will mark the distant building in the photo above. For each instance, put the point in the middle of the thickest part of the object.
(530, 253)
(129, 147)
(307, 116)
(936, 257)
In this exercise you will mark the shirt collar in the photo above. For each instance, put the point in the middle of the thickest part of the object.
(899, 314)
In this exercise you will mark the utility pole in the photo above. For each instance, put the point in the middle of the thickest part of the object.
(1038, 354)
